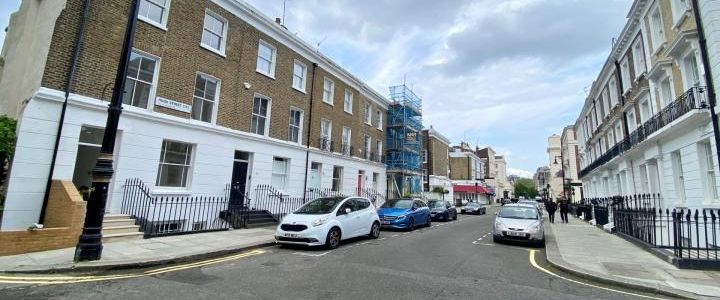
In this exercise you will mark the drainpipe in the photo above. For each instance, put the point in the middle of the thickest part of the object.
(626, 131)
(708, 75)
(68, 87)
(307, 140)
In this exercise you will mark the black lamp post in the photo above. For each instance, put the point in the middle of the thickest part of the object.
(90, 246)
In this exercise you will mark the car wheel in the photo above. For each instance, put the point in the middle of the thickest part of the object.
(429, 222)
(455, 216)
(333, 238)
(411, 224)
(375, 230)
(495, 239)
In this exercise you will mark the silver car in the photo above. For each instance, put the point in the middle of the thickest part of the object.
(518, 222)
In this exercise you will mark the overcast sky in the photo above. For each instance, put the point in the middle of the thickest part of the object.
(502, 73)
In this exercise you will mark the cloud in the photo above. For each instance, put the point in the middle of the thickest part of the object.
(520, 172)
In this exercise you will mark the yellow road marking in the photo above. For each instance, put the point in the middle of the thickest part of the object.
(79, 279)
(534, 264)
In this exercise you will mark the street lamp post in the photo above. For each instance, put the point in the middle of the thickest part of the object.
(90, 246)
(562, 170)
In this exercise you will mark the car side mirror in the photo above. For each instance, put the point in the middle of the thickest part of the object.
(413, 208)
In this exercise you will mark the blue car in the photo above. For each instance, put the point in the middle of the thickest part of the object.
(404, 214)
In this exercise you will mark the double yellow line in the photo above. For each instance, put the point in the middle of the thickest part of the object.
(79, 279)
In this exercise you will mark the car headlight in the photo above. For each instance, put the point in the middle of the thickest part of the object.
(498, 226)
(401, 217)
(534, 228)
(319, 222)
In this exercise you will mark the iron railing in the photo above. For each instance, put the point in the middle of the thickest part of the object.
(694, 98)
(326, 144)
(346, 149)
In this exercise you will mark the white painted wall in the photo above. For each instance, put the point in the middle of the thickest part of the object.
(138, 155)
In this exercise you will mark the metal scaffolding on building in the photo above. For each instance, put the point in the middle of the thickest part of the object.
(404, 157)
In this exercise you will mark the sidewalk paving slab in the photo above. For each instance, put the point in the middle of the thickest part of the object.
(587, 251)
(143, 253)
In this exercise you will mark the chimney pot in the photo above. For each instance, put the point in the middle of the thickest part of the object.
(278, 20)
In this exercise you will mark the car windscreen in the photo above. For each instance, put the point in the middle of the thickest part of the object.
(472, 205)
(320, 206)
(517, 212)
(436, 204)
(398, 203)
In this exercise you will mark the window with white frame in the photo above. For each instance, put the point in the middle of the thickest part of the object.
(328, 91)
(678, 176)
(654, 176)
(378, 149)
(154, 12)
(175, 164)
(267, 55)
(337, 178)
(214, 32)
(618, 184)
(140, 79)
(645, 110)
(618, 131)
(631, 120)
(368, 147)
(607, 101)
(625, 74)
(379, 118)
(644, 182)
(299, 76)
(367, 115)
(656, 29)
(691, 73)
(279, 172)
(207, 89)
(295, 125)
(260, 115)
(346, 140)
(707, 169)
(325, 134)
(348, 103)
(679, 7)
(639, 58)
(611, 137)
(665, 89)
(612, 86)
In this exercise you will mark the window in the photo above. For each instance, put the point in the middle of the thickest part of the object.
(631, 121)
(611, 138)
(348, 104)
(645, 110)
(214, 33)
(366, 114)
(204, 98)
(266, 59)
(154, 12)
(337, 178)
(379, 117)
(166, 227)
(665, 91)
(260, 114)
(346, 138)
(607, 101)
(654, 176)
(656, 29)
(140, 80)
(679, 7)
(618, 131)
(295, 126)
(378, 150)
(299, 76)
(175, 163)
(375, 180)
(707, 169)
(678, 177)
(691, 74)
(639, 58)
(368, 147)
(328, 91)
(424, 156)
(625, 73)
(612, 86)
(325, 134)
(644, 183)
(279, 172)
(618, 184)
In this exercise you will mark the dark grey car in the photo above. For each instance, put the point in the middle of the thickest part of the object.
(473, 208)
(442, 210)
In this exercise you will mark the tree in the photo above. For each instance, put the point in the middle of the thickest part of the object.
(7, 146)
(441, 191)
(525, 187)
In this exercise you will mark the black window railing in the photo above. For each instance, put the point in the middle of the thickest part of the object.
(346, 149)
(693, 98)
(325, 144)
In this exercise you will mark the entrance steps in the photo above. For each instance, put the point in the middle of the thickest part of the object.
(117, 227)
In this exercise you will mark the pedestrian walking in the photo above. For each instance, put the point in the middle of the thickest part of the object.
(551, 207)
(564, 207)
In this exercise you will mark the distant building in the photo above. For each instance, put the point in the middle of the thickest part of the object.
(542, 179)
(467, 171)
(555, 166)
(496, 172)
(570, 162)
(436, 164)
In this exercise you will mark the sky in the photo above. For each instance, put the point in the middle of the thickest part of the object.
(7, 7)
(505, 74)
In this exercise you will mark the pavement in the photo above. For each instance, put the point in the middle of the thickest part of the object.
(588, 251)
(450, 260)
(142, 253)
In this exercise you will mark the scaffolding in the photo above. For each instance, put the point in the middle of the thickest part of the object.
(404, 157)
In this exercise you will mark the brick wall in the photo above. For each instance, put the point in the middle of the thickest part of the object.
(63, 224)
(181, 58)
(460, 168)
(439, 165)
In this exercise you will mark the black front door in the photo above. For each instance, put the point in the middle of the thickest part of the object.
(238, 185)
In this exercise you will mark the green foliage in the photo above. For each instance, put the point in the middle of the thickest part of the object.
(440, 190)
(7, 136)
(525, 187)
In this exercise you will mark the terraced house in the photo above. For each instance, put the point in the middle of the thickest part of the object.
(217, 96)
(645, 127)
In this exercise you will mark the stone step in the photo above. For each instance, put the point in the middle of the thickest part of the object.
(118, 222)
(122, 237)
(121, 229)
(116, 216)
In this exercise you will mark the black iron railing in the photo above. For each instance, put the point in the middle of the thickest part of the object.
(346, 149)
(326, 144)
(692, 99)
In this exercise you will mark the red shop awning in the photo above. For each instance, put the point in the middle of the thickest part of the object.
(479, 189)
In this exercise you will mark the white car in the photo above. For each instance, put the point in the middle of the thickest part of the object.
(519, 222)
(327, 221)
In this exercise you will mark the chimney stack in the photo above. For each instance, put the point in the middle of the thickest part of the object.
(278, 20)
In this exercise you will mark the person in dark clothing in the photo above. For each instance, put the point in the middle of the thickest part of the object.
(551, 207)
(564, 207)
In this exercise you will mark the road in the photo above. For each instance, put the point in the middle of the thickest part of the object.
(454, 260)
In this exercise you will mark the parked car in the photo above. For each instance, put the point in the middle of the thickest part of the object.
(519, 222)
(505, 201)
(404, 214)
(473, 208)
(533, 204)
(442, 210)
(327, 221)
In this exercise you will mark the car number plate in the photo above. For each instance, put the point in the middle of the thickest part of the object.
(385, 222)
(515, 233)
(292, 235)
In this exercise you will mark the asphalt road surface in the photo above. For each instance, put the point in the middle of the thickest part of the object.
(454, 260)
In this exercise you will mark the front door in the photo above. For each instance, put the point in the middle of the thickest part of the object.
(361, 175)
(314, 180)
(238, 185)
